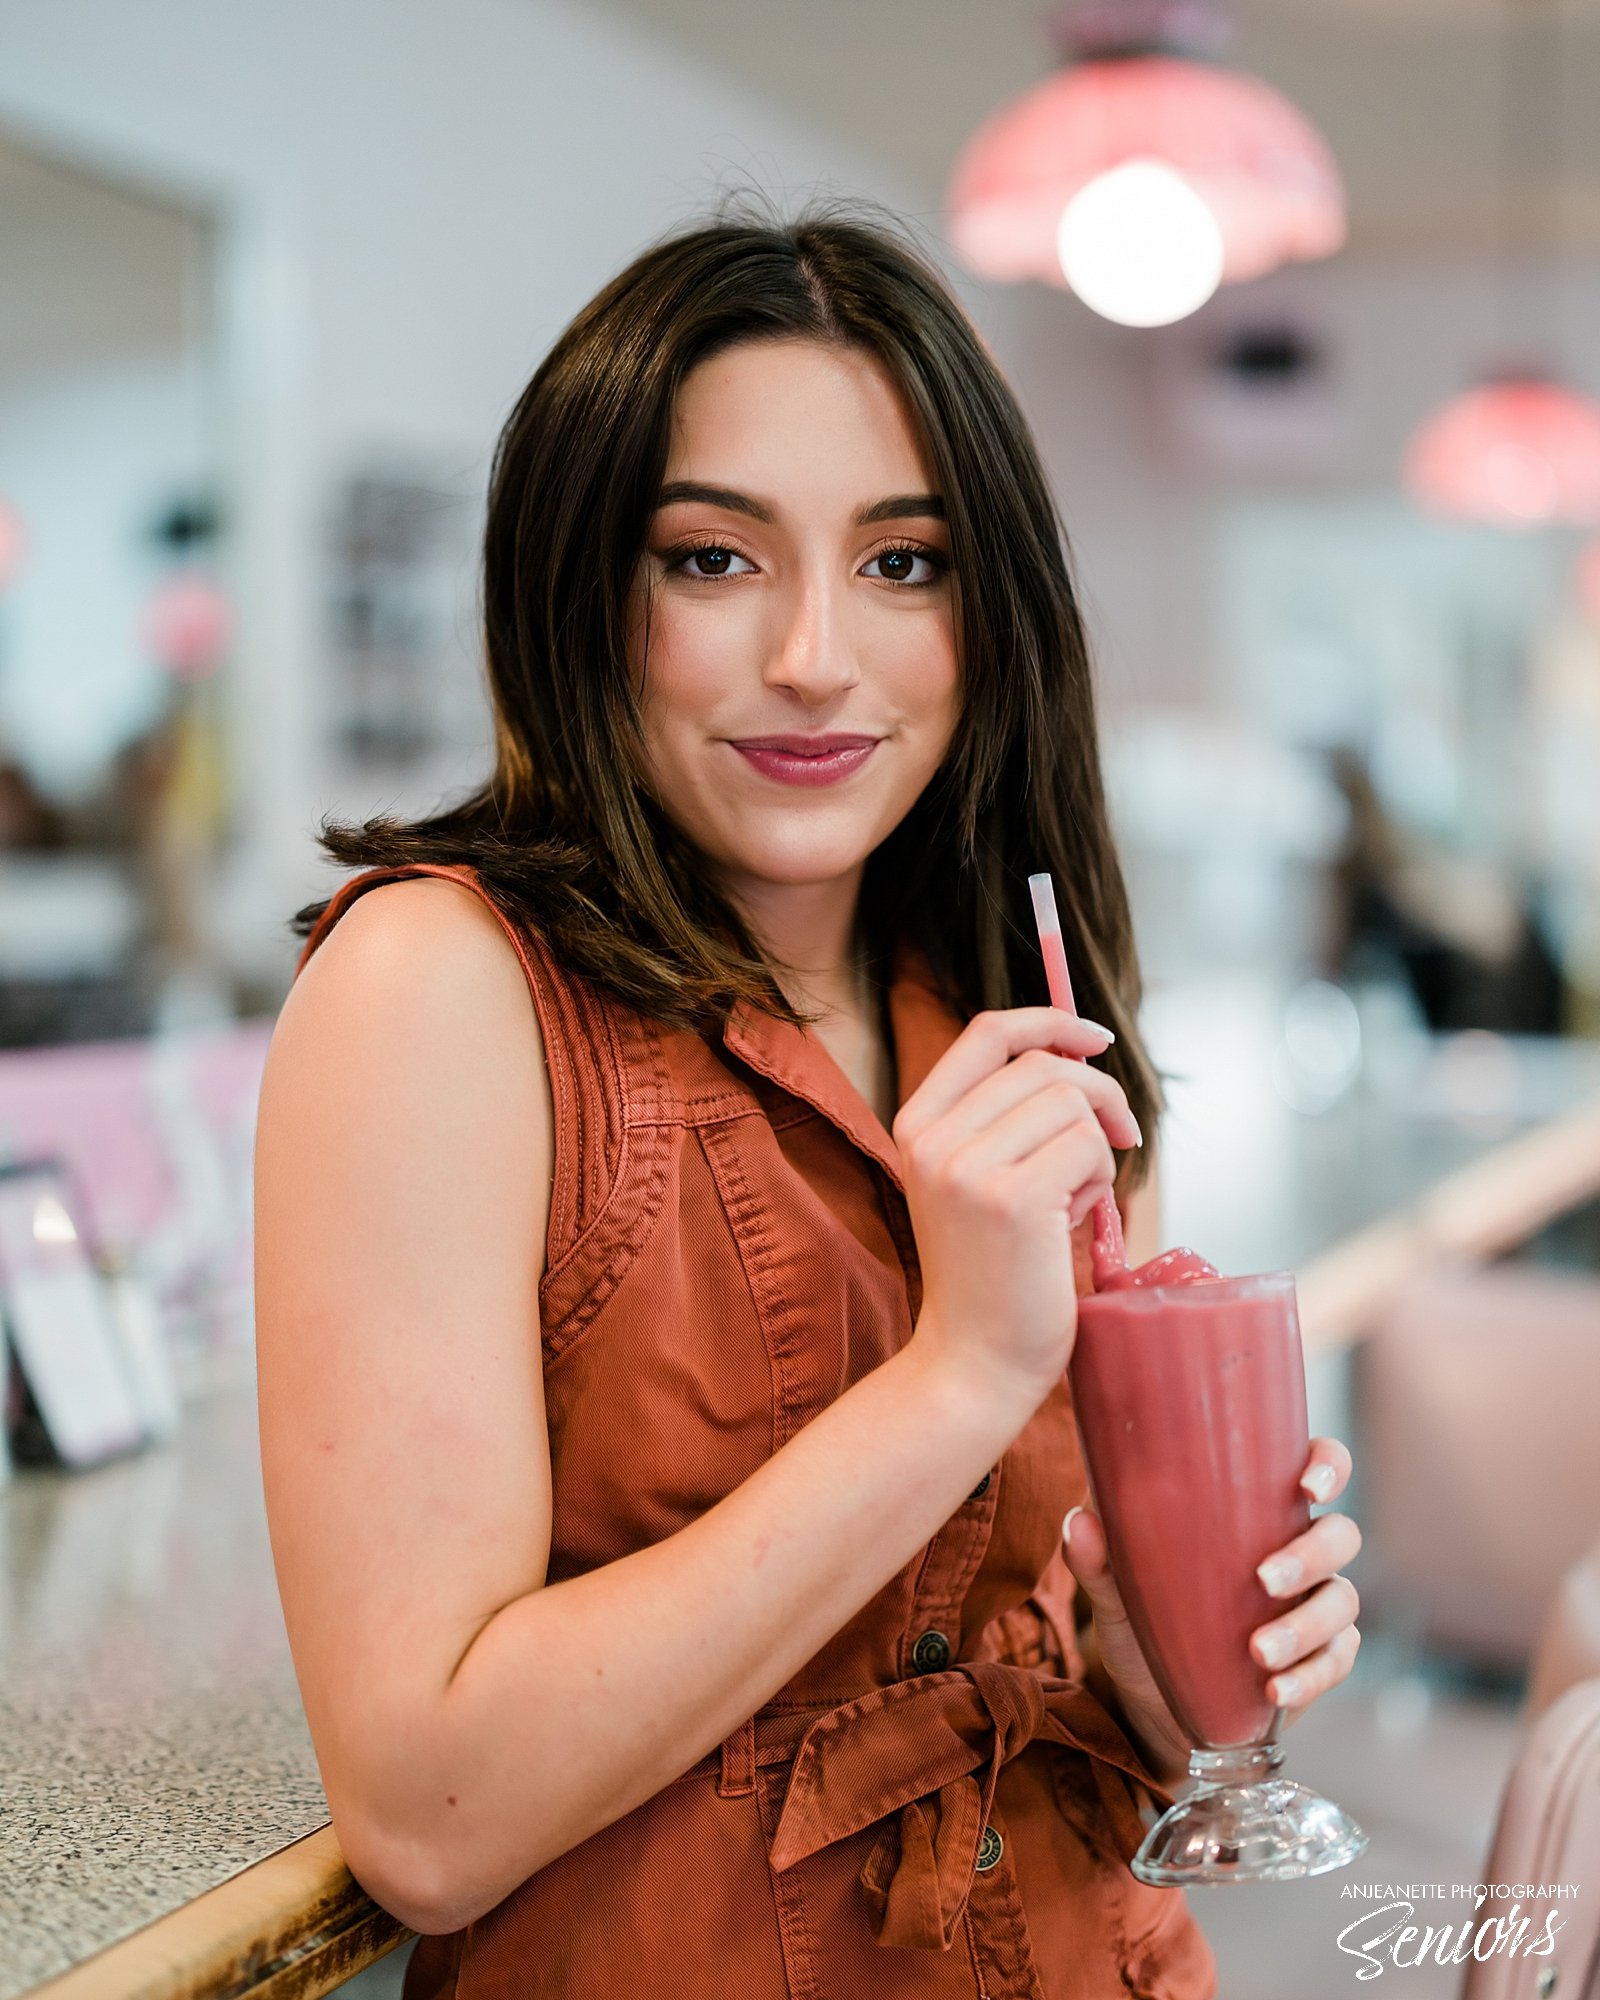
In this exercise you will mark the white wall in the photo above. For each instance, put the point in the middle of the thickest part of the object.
(416, 195)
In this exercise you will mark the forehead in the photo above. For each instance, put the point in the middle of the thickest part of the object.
(765, 413)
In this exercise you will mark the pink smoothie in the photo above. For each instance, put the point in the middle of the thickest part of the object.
(1191, 1401)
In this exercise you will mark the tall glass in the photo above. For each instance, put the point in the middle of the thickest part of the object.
(1191, 1403)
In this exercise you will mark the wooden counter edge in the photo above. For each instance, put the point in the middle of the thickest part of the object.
(291, 1927)
(1483, 1209)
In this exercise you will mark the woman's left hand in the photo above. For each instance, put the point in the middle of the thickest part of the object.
(1309, 1649)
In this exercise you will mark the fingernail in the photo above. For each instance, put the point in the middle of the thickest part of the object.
(1279, 1575)
(1286, 1690)
(1138, 1136)
(1084, 1022)
(1066, 1525)
(1275, 1645)
(1319, 1480)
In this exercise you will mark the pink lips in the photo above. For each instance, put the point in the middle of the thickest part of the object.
(806, 760)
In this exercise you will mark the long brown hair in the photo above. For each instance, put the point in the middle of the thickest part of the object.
(562, 834)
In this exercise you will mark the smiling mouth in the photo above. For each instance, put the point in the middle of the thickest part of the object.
(801, 767)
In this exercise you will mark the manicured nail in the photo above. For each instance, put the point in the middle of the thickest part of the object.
(1138, 1136)
(1280, 1574)
(1084, 1022)
(1286, 1690)
(1275, 1645)
(1066, 1525)
(1319, 1480)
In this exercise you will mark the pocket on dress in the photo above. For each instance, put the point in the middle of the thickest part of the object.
(1166, 1954)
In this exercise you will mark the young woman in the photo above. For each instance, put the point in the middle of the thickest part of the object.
(672, 1203)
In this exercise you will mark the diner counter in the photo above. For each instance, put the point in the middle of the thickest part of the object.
(164, 1834)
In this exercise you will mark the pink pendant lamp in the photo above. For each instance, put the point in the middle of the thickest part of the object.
(1517, 451)
(1521, 449)
(1139, 87)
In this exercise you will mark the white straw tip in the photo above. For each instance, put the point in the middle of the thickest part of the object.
(1043, 892)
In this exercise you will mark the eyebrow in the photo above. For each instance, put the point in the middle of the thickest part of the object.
(898, 507)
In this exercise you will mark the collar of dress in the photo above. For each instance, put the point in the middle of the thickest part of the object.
(922, 1026)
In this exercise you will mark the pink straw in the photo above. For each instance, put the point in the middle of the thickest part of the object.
(1109, 1252)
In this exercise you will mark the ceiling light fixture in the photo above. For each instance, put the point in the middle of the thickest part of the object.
(1143, 90)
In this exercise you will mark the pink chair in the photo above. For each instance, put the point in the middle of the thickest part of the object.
(1548, 1832)
(1476, 1398)
(1569, 1644)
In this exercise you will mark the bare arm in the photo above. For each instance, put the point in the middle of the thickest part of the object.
(470, 1723)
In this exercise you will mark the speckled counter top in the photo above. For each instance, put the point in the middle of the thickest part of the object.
(152, 1741)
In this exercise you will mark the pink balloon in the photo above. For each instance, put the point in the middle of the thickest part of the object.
(186, 626)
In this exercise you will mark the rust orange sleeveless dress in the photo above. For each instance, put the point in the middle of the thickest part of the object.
(937, 1805)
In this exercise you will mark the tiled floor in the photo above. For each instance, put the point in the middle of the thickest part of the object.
(1419, 1764)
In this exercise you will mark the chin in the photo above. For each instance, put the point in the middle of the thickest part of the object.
(803, 860)
(796, 874)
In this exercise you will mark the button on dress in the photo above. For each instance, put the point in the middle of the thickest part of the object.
(938, 1806)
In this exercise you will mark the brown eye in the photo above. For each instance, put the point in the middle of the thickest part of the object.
(706, 560)
(901, 564)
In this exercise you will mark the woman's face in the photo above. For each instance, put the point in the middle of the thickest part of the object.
(798, 574)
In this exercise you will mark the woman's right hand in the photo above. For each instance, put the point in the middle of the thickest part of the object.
(1005, 1146)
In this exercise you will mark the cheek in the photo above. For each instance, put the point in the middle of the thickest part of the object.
(693, 659)
(921, 672)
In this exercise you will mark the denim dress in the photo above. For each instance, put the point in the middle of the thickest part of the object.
(939, 1804)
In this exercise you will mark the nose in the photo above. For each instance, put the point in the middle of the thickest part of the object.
(813, 651)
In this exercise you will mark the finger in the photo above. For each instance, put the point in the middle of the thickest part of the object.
(1328, 1469)
(1076, 1160)
(1314, 1676)
(1035, 1073)
(1321, 1618)
(986, 1044)
(1326, 1546)
(1083, 1543)
(1089, 1196)
(1052, 1109)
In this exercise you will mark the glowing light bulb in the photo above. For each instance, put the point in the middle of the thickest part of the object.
(1139, 246)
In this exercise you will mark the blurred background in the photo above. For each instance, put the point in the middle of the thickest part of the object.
(1316, 385)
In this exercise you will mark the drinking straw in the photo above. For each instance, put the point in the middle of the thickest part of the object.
(1110, 1253)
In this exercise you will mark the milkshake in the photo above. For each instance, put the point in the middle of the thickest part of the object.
(1190, 1397)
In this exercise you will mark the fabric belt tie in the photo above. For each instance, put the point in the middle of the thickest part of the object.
(930, 1750)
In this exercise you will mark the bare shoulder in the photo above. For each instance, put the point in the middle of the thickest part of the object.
(403, 1164)
(418, 978)
(423, 934)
